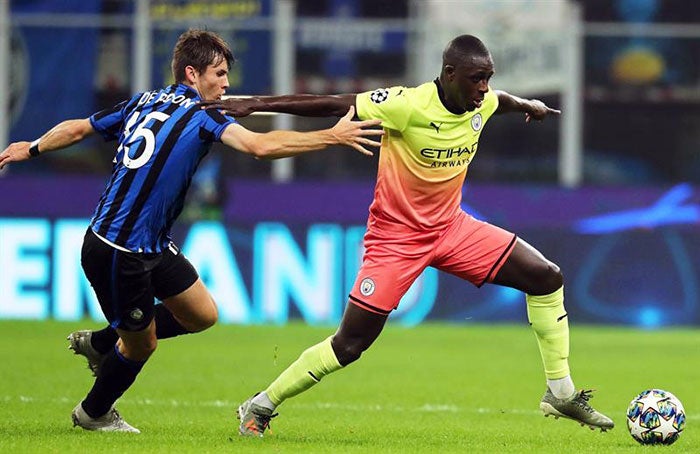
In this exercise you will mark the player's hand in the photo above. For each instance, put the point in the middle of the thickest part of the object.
(354, 133)
(236, 107)
(537, 110)
(18, 151)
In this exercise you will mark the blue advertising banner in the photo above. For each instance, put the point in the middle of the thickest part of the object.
(292, 250)
(53, 70)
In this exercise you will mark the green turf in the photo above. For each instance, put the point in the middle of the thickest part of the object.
(433, 388)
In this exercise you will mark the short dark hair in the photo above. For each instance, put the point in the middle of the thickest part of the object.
(199, 49)
(462, 48)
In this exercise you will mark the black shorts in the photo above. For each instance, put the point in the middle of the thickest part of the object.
(126, 283)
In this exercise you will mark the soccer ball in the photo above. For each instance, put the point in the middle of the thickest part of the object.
(655, 417)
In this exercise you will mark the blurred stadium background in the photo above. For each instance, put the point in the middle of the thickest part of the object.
(609, 191)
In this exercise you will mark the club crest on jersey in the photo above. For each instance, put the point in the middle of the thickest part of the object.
(476, 122)
(367, 286)
(379, 95)
(136, 314)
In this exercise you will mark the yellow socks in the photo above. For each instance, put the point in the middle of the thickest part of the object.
(315, 363)
(545, 312)
(550, 323)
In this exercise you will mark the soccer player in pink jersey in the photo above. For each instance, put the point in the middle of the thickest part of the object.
(431, 136)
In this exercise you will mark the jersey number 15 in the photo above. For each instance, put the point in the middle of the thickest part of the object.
(144, 132)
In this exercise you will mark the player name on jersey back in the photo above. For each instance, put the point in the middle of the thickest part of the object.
(181, 100)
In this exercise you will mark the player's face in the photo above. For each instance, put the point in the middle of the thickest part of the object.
(471, 82)
(213, 82)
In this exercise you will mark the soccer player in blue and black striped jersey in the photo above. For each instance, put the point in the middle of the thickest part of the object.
(128, 255)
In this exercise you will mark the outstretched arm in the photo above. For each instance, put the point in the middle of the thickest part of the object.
(304, 105)
(533, 108)
(281, 144)
(60, 136)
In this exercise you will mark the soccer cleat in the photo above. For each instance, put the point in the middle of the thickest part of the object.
(254, 418)
(576, 408)
(109, 422)
(80, 343)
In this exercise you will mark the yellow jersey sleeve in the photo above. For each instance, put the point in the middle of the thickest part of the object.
(391, 105)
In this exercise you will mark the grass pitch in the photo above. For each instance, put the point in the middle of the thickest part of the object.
(433, 388)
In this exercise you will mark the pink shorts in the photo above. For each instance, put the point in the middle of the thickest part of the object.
(471, 249)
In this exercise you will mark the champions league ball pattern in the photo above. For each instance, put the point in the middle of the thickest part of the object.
(379, 95)
(655, 417)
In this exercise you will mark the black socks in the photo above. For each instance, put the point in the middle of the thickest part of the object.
(166, 326)
(117, 373)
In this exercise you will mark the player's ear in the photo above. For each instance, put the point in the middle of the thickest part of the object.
(449, 71)
(190, 74)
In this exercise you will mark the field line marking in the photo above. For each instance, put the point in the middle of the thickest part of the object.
(425, 408)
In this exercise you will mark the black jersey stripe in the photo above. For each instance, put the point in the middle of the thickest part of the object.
(128, 107)
(176, 209)
(153, 175)
(113, 131)
(216, 116)
(125, 185)
(105, 194)
(124, 105)
(116, 203)
(103, 113)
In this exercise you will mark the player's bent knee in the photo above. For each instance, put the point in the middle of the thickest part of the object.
(205, 322)
(549, 278)
(213, 315)
(347, 352)
(205, 319)
(210, 321)
(555, 276)
(139, 350)
(551, 271)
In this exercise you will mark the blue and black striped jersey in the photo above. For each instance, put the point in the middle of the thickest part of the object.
(162, 135)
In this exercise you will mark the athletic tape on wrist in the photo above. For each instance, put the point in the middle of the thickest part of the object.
(34, 149)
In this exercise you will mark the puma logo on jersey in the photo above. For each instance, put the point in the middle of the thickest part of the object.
(436, 126)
